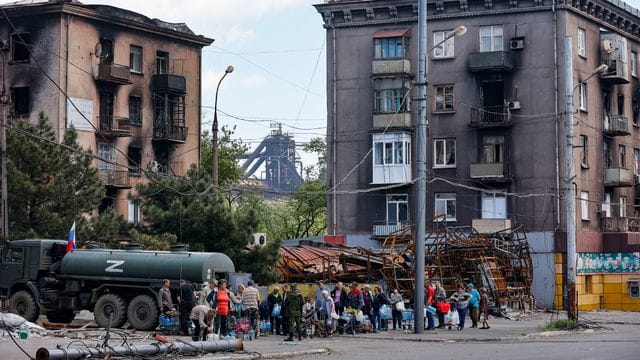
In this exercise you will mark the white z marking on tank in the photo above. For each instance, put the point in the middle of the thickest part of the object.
(114, 265)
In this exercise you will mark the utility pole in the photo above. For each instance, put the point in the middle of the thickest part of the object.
(421, 171)
(4, 99)
(570, 196)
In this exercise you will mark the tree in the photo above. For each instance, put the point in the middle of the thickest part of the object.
(318, 171)
(230, 150)
(50, 185)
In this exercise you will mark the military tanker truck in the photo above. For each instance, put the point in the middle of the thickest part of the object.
(38, 277)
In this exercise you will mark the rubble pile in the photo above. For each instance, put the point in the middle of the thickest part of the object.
(501, 262)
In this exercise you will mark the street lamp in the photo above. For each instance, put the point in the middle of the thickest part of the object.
(421, 159)
(570, 199)
(214, 131)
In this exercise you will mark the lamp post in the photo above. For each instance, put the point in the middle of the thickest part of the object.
(421, 158)
(570, 197)
(214, 131)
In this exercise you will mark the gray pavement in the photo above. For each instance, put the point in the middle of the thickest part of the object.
(607, 329)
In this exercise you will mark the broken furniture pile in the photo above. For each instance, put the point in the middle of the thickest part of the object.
(501, 262)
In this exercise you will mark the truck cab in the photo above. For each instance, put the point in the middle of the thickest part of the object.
(23, 264)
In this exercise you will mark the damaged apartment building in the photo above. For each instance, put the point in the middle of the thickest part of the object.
(495, 108)
(129, 85)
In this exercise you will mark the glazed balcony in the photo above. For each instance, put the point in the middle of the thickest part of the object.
(390, 66)
(398, 121)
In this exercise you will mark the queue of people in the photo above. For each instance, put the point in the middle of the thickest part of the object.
(326, 312)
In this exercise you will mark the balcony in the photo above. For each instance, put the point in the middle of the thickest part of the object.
(383, 228)
(114, 126)
(116, 179)
(490, 117)
(114, 74)
(501, 61)
(615, 125)
(391, 174)
(618, 177)
(399, 120)
(491, 172)
(490, 226)
(170, 133)
(393, 66)
(174, 84)
(620, 224)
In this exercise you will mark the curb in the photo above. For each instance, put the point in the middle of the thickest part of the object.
(256, 355)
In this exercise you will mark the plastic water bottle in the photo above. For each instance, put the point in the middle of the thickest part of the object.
(23, 333)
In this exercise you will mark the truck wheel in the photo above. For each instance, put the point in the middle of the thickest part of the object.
(143, 312)
(110, 305)
(61, 317)
(22, 303)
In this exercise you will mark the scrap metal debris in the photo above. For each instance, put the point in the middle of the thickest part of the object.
(501, 262)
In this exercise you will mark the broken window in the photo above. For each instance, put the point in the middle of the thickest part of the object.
(135, 158)
(135, 110)
(20, 43)
(21, 99)
(105, 53)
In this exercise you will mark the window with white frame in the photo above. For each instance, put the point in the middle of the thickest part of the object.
(388, 151)
(622, 203)
(389, 95)
(494, 205)
(584, 205)
(636, 161)
(389, 47)
(634, 64)
(634, 288)
(397, 209)
(584, 146)
(582, 96)
(107, 154)
(582, 42)
(133, 212)
(445, 207)
(444, 152)
(491, 38)
(443, 98)
(135, 59)
(446, 48)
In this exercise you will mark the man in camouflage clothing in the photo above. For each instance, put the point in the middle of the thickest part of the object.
(293, 305)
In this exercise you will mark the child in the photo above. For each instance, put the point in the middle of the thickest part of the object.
(484, 308)
(309, 314)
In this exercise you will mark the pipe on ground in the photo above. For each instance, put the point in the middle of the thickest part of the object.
(186, 348)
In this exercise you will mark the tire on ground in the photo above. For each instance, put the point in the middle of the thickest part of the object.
(143, 312)
(22, 303)
(110, 305)
(61, 316)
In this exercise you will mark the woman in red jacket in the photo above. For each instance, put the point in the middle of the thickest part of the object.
(222, 304)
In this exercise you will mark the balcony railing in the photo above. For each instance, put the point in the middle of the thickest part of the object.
(116, 178)
(175, 84)
(114, 73)
(396, 120)
(491, 61)
(490, 226)
(170, 133)
(383, 228)
(490, 171)
(390, 66)
(620, 224)
(618, 177)
(490, 117)
(615, 125)
(114, 126)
